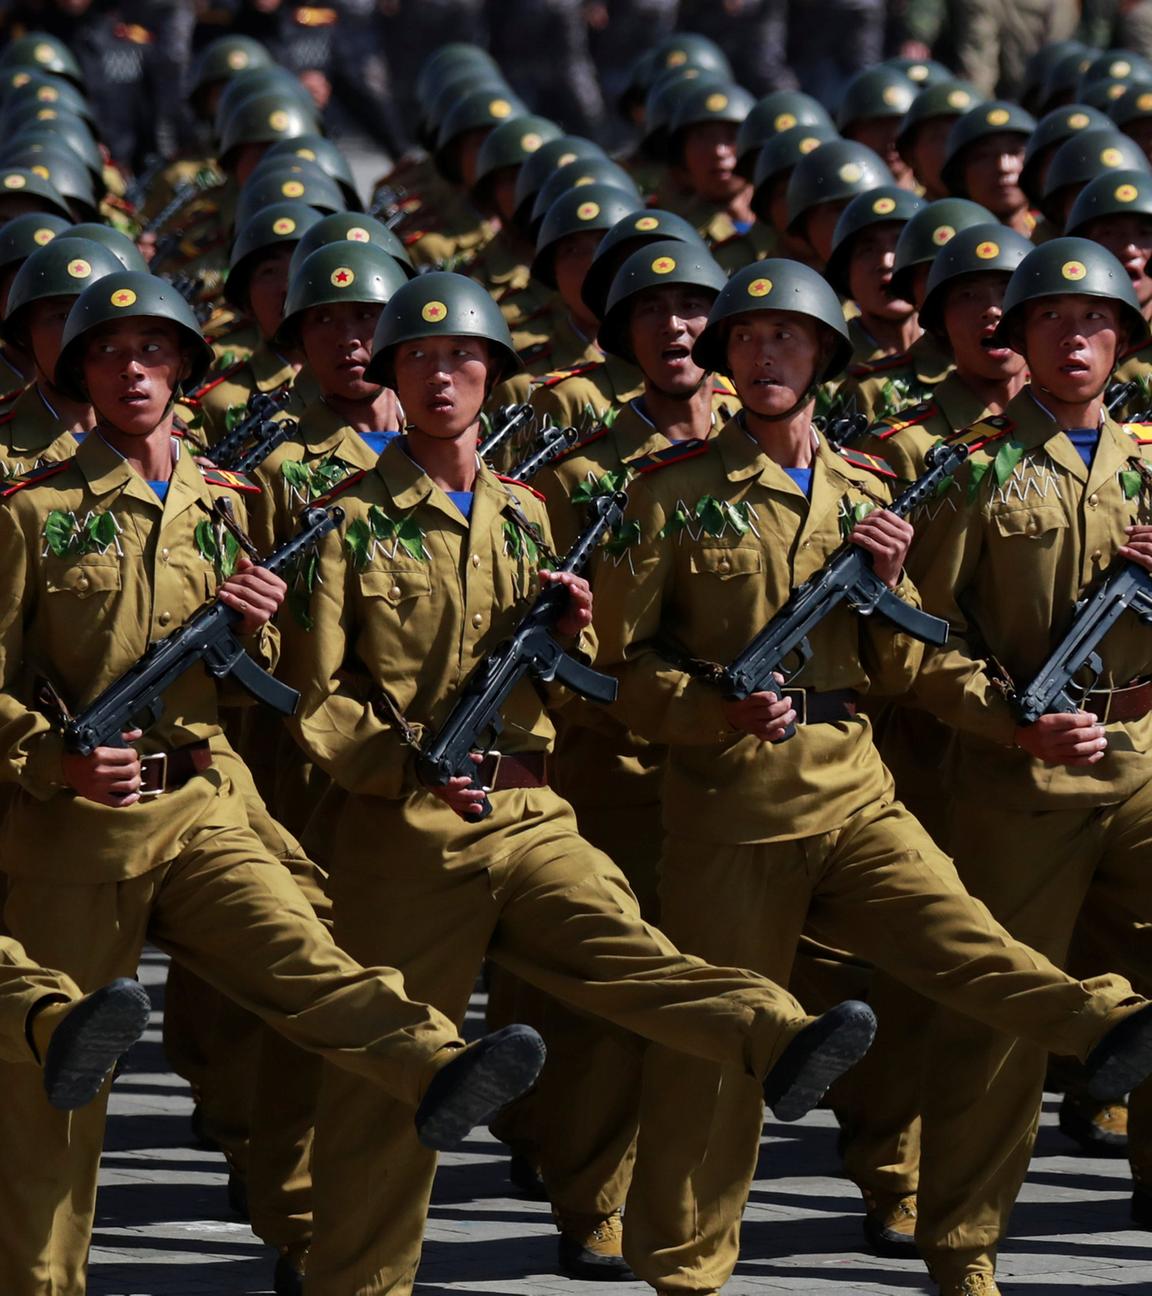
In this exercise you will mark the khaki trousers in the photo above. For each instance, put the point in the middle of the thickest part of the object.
(983, 1088)
(558, 914)
(231, 913)
(876, 886)
(22, 986)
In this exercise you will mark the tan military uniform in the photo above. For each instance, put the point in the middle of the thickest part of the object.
(23, 985)
(31, 434)
(407, 600)
(732, 247)
(1136, 366)
(1030, 839)
(757, 846)
(585, 391)
(227, 395)
(94, 553)
(878, 388)
(504, 268)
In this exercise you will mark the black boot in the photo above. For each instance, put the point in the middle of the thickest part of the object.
(817, 1057)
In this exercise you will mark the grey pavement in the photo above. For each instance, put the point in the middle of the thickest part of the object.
(163, 1226)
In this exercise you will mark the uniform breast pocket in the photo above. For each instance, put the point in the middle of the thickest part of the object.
(1042, 522)
(87, 580)
(406, 589)
(724, 564)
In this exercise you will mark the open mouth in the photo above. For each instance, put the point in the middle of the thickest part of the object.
(134, 398)
(675, 354)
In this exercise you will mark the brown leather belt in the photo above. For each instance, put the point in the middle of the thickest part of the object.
(1122, 705)
(166, 771)
(499, 771)
(822, 708)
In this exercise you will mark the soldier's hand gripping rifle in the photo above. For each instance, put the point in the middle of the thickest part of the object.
(505, 423)
(474, 723)
(1052, 691)
(136, 699)
(552, 443)
(261, 406)
(782, 647)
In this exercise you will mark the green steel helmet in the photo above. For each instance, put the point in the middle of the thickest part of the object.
(921, 72)
(833, 172)
(875, 92)
(1103, 94)
(775, 114)
(17, 180)
(635, 231)
(66, 132)
(995, 117)
(777, 158)
(278, 225)
(63, 170)
(65, 267)
(1051, 131)
(447, 59)
(884, 205)
(1081, 159)
(1117, 193)
(225, 58)
(482, 109)
(22, 236)
(578, 175)
(1040, 64)
(351, 227)
(689, 49)
(39, 52)
(1134, 105)
(660, 265)
(539, 168)
(265, 119)
(335, 273)
(944, 99)
(590, 207)
(117, 242)
(930, 229)
(976, 250)
(451, 91)
(660, 105)
(322, 153)
(511, 144)
(703, 102)
(259, 81)
(1076, 266)
(776, 284)
(288, 181)
(27, 93)
(1063, 79)
(127, 294)
(1116, 65)
(442, 304)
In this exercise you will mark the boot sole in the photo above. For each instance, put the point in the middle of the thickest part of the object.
(90, 1040)
(485, 1080)
(838, 1040)
(891, 1246)
(1126, 1061)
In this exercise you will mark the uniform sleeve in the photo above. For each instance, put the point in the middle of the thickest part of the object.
(564, 517)
(347, 732)
(633, 596)
(955, 683)
(891, 659)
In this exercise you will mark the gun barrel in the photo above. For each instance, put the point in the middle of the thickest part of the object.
(556, 441)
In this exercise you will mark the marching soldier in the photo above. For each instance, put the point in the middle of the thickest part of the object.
(823, 182)
(770, 178)
(1052, 130)
(19, 238)
(1078, 160)
(922, 139)
(771, 116)
(985, 158)
(874, 104)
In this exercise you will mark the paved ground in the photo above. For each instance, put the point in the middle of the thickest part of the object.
(163, 1227)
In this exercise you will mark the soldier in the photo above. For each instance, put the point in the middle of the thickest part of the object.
(45, 424)
(770, 178)
(1060, 470)
(113, 848)
(874, 104)
(1080, 159)
(23, 190)
(257, 285)
(985, 158)
(776, 113)
(350, 227)
(922, 139)
(19, 238)
(749, 859)
(823, 182)
(1132, 113)
(277, 179)
(446, 536)
(860, 268)
(633, 232)
(322, 153)
(1052, 130)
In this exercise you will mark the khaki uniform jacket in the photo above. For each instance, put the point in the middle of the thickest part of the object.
(408, 597)
(722, 538)
(263, 371)
(86, 605)
(505, 271)
(1136, 366)
(32, 435)
(879, 388)
(732, 248)
(1009, 563)
(601, 381)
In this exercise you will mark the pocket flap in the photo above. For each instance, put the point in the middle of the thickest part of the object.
(1035, 521)
(723, 562)
(82, 578)
(396, 584)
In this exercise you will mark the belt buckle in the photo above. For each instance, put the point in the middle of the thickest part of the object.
(146, 761)
(799, 699)
(495, 775)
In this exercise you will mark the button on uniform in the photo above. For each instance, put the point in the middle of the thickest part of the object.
(164, 618)
(478, 620)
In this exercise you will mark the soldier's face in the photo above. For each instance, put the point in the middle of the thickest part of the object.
(267, 289)
(1071, 343)
(879, 134)
(870, 272)
(573, 256)
(972, 310)
(246, 159)
(442, 383)
(132, 368)
(467, 151)
(45, 328)
(13, 205)
(772, 356)
(503, 191)
(1129, 239)
(929, 145)
(992, 172)
(709, 158)
(664, 326)
(820, 226)
(337, 342)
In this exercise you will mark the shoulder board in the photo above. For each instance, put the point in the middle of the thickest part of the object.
(514, 481)
(312, 16)
(9, 397)
(340, 488)
(1132, 350)
(898, 422)
(232, 480)
(866, 368)
(537, 351)
(206, 387)
(870, 462)
(985, 432)
(669, 455)
(558, 376)
(7, 417)
(1141, 433)
(34, 477)
(134, 32)
(600, 433)
(722, 386)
